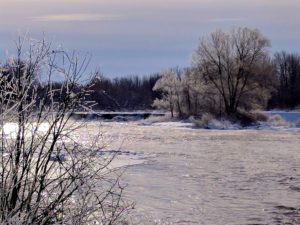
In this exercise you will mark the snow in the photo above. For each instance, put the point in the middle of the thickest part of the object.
(10, 129)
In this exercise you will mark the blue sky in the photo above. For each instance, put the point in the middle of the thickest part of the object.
(128, 37)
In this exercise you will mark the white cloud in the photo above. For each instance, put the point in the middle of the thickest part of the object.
(224, 20)
(75, 17)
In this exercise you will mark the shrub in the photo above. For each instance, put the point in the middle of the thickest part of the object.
(157, 119)
(260, 116)
(223, 124)
(206, 118)
(249, 118)
(277, 120)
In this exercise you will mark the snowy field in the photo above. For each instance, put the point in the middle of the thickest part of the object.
(181, 175)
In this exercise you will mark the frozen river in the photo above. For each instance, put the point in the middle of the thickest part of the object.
(210, 177)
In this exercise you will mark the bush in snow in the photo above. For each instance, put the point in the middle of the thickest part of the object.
(208, 121)
(277, 120)
(223, 124)
(203, 122)
(249, 118)
(157, 119)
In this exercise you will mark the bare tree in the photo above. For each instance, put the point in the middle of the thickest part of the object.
(47, 174)
(232, 62)
(184, 93)
(198, 97)
(169, 85)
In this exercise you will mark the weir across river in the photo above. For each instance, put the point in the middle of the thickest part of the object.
(114, 115)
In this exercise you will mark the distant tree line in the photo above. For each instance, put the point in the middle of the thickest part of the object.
(118, 94)
(287, 79)
(230, 72)
(125, 93)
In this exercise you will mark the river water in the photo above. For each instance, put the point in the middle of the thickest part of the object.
(210, 176)
(179, 175)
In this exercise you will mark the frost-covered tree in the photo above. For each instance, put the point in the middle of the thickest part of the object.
(197, 96)
(236, 64)
(170, 85)
(48, 174)
(184, 93)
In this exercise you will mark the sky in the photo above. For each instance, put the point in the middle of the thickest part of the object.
(140, 37)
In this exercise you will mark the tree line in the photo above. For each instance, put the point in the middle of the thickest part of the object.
(230, 72)
(118, 94)
(125, 93)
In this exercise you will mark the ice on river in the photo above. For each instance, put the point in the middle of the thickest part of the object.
(179, 175)
(11, 129)
(211, 177)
